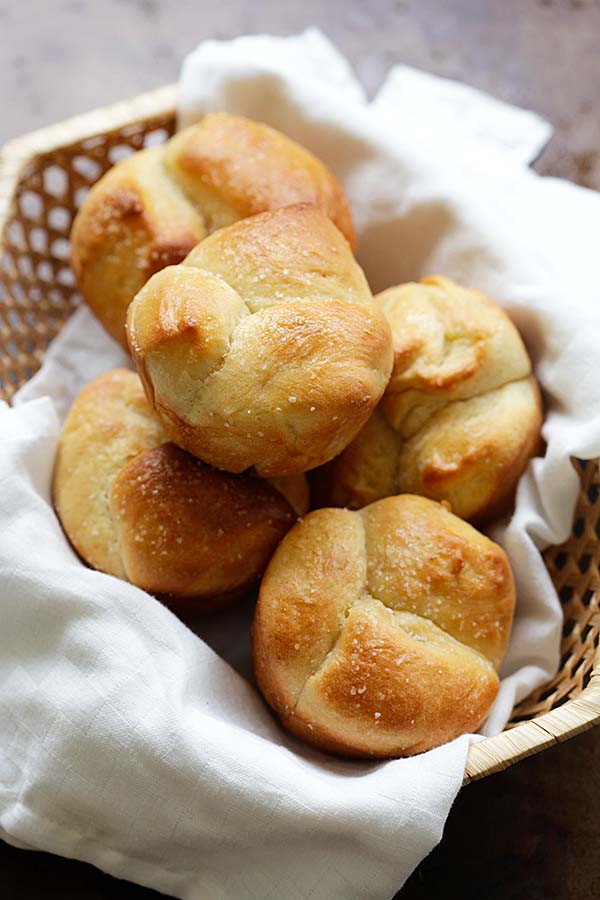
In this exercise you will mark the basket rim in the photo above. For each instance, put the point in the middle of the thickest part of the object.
(486, 756)
(16, 153)
(162, 100)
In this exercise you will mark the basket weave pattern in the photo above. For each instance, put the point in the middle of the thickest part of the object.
(43, 180)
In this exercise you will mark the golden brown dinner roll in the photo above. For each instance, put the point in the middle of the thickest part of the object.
(378, 632)
(264, 348)
(148, 211)
(146, 511)
(461, 415)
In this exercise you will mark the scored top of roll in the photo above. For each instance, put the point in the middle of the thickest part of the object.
(264, 348)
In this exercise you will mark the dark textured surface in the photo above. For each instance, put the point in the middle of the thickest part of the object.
(532, 832)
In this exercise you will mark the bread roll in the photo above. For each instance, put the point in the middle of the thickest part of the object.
(461, 415)
(378, 632)
(138, 507)
(264, 348)
(149, 210)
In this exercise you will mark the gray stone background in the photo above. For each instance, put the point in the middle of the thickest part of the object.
(531, 833)
(60, 57)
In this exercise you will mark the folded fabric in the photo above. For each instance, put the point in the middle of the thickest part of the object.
(125, 740)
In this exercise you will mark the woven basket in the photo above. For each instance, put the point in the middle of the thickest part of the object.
(44, 177)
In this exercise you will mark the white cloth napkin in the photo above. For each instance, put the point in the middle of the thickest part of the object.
(125, 740)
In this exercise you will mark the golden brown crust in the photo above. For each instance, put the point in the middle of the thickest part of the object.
(438, 567)
(236, 168)
(264, 348)
(151, 209)
(348, 480)
(303, 598)
(144, 510)
(461, 415)
(109, 424)
(187, 530)
(376, 632)
(393, 687)
(133, 222)
(296, 490)
(473, 452)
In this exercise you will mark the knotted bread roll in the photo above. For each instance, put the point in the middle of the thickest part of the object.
(378, 632)
(150, 210)
(461, 415)
(146, 511)
(264, 348)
